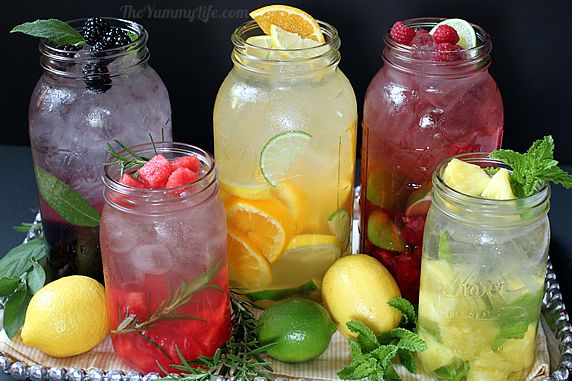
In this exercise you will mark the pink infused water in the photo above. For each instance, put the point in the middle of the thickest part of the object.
(428, 102)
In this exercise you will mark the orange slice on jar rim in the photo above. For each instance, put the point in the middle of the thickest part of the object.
(288, 18)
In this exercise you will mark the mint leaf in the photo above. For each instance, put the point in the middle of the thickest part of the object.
(405, 308)
(406, 359)
(455, 371)
(408, 340)
(365, 368)
(56, 31)
(132, 36)
(15, 310)
(533, 168)
(18, 260)
(391, 375)
(443, 250)
(36, 278)
(8, 285)
(523, 309)
(355, 350)
(68, 203)
(512, 331)
(384, 355)
(365, 338)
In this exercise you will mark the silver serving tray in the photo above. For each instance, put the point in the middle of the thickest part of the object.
(554, 318)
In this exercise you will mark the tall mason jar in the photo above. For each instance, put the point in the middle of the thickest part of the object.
(285, 139)
(82, 101)
(482, 280)
(417, 112)
(165, 265)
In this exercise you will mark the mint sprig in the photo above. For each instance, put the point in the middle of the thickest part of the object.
(54, 30)
(372, 356)
(533, 168)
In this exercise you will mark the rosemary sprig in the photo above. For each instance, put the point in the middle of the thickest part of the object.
(239, 358)
(167, 310)
(129, 161)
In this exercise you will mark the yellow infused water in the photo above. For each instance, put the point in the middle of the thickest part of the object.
(285, 140)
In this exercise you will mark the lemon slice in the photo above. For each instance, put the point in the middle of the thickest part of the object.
(256, 191)
(292, 195)
(281, 152)
(467, 35)
(264, 42)
(246, 266)
(307, 257)
(288, 18)
(266, 224)
(340, 226)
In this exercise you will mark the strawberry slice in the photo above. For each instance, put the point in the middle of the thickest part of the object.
(131, 181)
(156, 172)
(179, 177)
(190, 162)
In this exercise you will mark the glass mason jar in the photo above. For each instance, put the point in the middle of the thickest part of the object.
(82, 101)
(418, 112)
(165, 265)
(482, 280)
(285, 139)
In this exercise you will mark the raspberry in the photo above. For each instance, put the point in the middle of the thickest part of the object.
(421, 31)
(406, 271)
(446, 33)
(412, 231)
(386, 257)
(447, 52)
(401, 33)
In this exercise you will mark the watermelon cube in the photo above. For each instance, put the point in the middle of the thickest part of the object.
(179, 177)
(156, 172)
(131, 181)
(190, 162)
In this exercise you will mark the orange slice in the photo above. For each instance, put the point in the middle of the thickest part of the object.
(288, 18)
(267, 224)
(246, 266)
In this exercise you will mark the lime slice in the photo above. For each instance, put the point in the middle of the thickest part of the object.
(340, 226)
(280, 153)
(307, 257)
(467, 35)
(278, 294)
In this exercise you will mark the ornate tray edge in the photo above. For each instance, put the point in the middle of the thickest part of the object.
(554, 317)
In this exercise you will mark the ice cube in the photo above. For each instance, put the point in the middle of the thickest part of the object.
(150, 259)
(97, 117)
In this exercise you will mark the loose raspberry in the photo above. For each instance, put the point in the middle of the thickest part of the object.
(412, 230)
(446, 33)
(447, 52)
(401, 33)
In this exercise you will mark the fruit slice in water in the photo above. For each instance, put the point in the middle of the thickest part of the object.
(467, 35)
(383, 190)
(499, 187)
(419, 202)
(382, 232)
(256, 191)
(278, 294)
(246, 266)
(266, 224)
(292, 195)
(264, 42)
(307, 257)
(340, 226)
(465, 177)
(281, 152)
(290, 19)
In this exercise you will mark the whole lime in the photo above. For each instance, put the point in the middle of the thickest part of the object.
(300, 330)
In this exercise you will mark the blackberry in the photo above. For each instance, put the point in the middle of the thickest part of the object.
(70, 48)
(116, 38)
(94, 29)
(96, 77)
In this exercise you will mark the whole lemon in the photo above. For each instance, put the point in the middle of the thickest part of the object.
(299, 329)
(358, 287)
(67, 317)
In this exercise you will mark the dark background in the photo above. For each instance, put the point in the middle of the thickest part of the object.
(531, 57)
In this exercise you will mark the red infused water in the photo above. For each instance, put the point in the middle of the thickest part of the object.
(429, 101)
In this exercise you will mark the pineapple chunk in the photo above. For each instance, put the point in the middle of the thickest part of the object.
(466, 178)
(490, 367)
(499, 187)
(519, 354)
(456, 332)
(436, 356)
